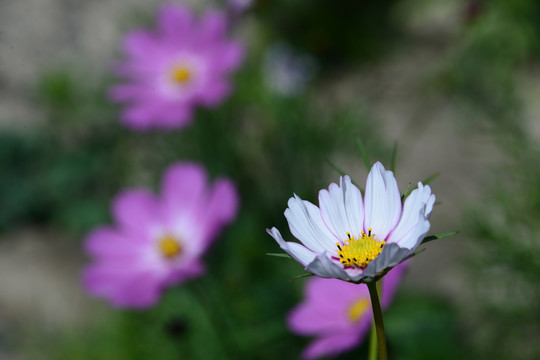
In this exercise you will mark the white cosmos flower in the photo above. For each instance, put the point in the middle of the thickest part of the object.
(351, 238)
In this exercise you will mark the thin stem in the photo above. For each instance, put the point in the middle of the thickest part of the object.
(372, 355)
(200, 302)
(377, 317)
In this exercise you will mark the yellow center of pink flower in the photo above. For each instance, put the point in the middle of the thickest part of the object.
(169, 247)
(181, 75)
(357, 309)
(359, 252)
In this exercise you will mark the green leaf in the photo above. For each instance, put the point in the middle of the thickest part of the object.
(413, 255)
(343, 173)
(363, 153)
(430, 178)
(425, 182)
(335, 167)
(393, 159)
(283, 255)
(406, 193)
(438, 236)
(301, 276)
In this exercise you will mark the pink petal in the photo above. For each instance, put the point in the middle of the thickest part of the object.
(221, 208)
(108, 243)
(123, 286)
(334, 293)
(326, 306)
(175, 21)
(190, 270)
(309, 319)
(184, 188)
(174, 116)
(139, 117)
(232, 55)
(225, 57)
(213, 27)
(137, 211)
(139, 43)
(334, 344)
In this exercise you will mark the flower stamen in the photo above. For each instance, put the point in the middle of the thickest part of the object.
(169, 247)
(357, 309)
(181, 75)
(359, 252)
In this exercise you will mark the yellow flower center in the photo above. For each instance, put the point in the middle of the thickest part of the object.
(181, 74)
(357, 309)
(359, 252)
(169, 247)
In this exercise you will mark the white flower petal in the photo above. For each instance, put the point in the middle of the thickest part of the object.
(414, 219)
(429, 204)
(342, 208)
(354, 206)
(307, 225)
(300, 253)
(333, 210)
(325, 267)
(382, 203)
(297, 251)
(418, 234)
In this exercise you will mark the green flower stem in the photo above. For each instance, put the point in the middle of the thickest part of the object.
(377, 317)
(372, 355)
(212, 312)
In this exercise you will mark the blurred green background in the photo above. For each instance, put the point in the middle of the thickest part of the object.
(455, 83)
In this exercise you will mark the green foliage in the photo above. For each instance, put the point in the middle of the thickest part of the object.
(48, 181)
(489, 56)
(337, 33)
(65, 172)
(422, 328)
(505, 264)
(271, 146)
(437, 236)
(503, 226)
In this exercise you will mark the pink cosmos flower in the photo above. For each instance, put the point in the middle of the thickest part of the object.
(158, 240)
(185, 62)
(338, 313)
(355, 239)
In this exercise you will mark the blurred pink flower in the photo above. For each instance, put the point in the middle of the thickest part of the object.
(158, 241)
(355, 239)
(185, 62)
(338, 313)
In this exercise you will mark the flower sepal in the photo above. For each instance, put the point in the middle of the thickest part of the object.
(282, 255)
(438, 236)
(301, 276)
(364, 280)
